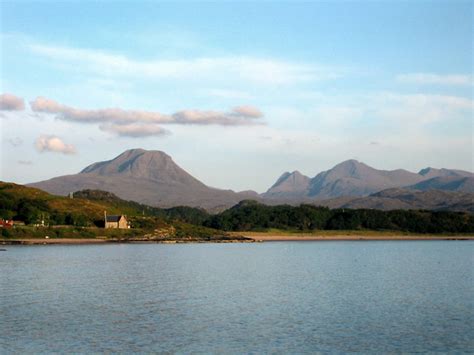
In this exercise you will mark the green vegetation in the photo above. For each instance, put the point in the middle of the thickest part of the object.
(79, 216)
(130, 208)
(253, 216)
(85, 209)
(69, 232)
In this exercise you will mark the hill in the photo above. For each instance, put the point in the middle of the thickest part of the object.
(446, 183)
(355, 179)
(405, 199)
(152, 178)
(289, 186)
(148, 177)
(85, 208)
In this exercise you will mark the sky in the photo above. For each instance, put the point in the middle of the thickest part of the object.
(236, 92)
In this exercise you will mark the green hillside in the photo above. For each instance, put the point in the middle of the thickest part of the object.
(86, 208)
(31, 205)
(79, 217)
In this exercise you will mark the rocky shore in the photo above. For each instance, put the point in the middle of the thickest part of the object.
(38, 241)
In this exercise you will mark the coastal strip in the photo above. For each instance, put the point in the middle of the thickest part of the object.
(73, 241)
(293, 238)
(248, 238)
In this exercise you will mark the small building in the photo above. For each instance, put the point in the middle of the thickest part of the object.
(116, 221)
(6, 223)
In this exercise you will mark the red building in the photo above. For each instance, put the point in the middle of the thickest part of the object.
(5, 223)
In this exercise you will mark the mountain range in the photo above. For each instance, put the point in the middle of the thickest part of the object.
(352, 178)
(153, 178)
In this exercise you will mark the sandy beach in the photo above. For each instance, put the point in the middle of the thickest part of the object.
(286, 238)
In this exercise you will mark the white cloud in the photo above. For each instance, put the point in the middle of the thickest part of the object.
(376, 113)
(435, 79)
(49, 143)
(135, 130)
(266, 71)
(10, 102)
(116, 115)
(248, 111)
(239, 116)
(134, 123)
(419, 109)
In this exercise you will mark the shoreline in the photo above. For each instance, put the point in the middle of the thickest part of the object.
(250, 238)
(84, 241)
(294, 238)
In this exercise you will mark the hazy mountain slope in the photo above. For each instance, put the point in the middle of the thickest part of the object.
(153, 178)
(392, 199)
(446, 183)
(289, 186)
(429, 173)
(352, 178)
(149, 177)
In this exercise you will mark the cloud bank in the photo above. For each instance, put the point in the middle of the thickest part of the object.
(435, 79)
(10, 102)
(135, 123)
(248, 69)
(48, 143)
(134, 130)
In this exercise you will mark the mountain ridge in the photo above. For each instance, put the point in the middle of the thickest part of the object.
(352, 178)
(152, 177)
(149, 177)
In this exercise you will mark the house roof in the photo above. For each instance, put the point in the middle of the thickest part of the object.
(115, 218)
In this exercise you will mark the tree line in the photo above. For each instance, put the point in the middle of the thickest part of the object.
(246, 216)
(253, 216)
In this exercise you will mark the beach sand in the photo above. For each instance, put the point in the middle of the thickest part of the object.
(286, 238)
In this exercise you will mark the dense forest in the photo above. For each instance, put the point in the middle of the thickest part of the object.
(253, 216)
(86, 209)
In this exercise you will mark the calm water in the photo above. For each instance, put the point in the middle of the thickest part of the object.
(269, 297)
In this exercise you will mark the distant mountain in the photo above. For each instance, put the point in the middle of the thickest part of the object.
(148, 177)
(352, 178)
(289, 186)
(446, 183)
(349, 178)
(153, 178)
(394, 199)
(429, 173)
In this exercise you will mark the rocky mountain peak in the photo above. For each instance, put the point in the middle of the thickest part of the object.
(350, 168)
(143, 164)
(429, 173)
(288, 184)
(425, 171)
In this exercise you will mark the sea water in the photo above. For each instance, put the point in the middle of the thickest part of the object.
(361, 296)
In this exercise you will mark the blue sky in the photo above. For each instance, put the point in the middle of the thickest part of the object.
(236, 92)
